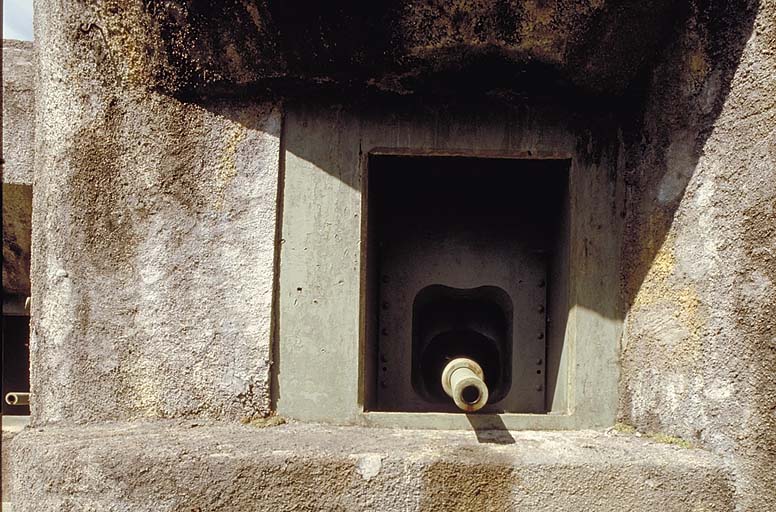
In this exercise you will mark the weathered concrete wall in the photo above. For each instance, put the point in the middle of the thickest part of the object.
(18, 111)
(153, 236)
(5, 465)
(699, 350)
(18, 152)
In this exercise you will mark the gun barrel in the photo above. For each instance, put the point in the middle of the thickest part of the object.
(464, 382)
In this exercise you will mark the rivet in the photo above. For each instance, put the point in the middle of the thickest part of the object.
(385, 279)
(539, 387)
(541, 335)
(384, 331)
(539, 361)
(541, 309)
(385, 305)
(383, 359)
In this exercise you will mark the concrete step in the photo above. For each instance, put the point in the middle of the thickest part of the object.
(195, 465)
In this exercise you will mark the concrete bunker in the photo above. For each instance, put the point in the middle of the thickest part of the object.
(247, 287)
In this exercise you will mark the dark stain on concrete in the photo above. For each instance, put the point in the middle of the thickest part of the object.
(17, 234)
(598, 47)
(98, 188)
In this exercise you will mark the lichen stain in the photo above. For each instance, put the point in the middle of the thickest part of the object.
(688, 309)
(659, 295)
(226, 168)
(436, 25)
(118, 32)
(126, 35)
(140, 54)
(662, 267)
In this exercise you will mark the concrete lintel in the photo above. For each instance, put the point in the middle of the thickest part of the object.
(195, 465)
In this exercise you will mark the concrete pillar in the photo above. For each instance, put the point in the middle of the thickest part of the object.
(154, 233)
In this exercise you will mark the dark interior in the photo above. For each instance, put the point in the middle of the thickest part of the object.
(449, 323)
(16, 356)
(423, 211)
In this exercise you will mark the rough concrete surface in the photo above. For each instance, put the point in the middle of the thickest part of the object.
(196, 465)
(699, 349)
(18, 111)
(153, 235)
(5, 465)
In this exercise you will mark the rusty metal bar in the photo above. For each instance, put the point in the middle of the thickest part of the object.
(17, 398)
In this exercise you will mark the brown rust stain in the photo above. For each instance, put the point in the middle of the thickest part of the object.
(457, 485)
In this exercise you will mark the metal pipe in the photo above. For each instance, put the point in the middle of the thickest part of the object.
(17, 398)
(464, 382)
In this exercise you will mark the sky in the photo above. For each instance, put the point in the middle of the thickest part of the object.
(17, 19)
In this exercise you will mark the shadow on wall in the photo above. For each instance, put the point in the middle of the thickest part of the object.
(490, 429)
(684, 98)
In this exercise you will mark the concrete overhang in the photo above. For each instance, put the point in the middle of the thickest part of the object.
(599, 47)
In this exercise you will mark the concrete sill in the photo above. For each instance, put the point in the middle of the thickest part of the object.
(195, 465)
(457, 421)
(14, 423)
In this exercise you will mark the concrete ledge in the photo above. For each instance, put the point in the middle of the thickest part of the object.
(189, 466)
